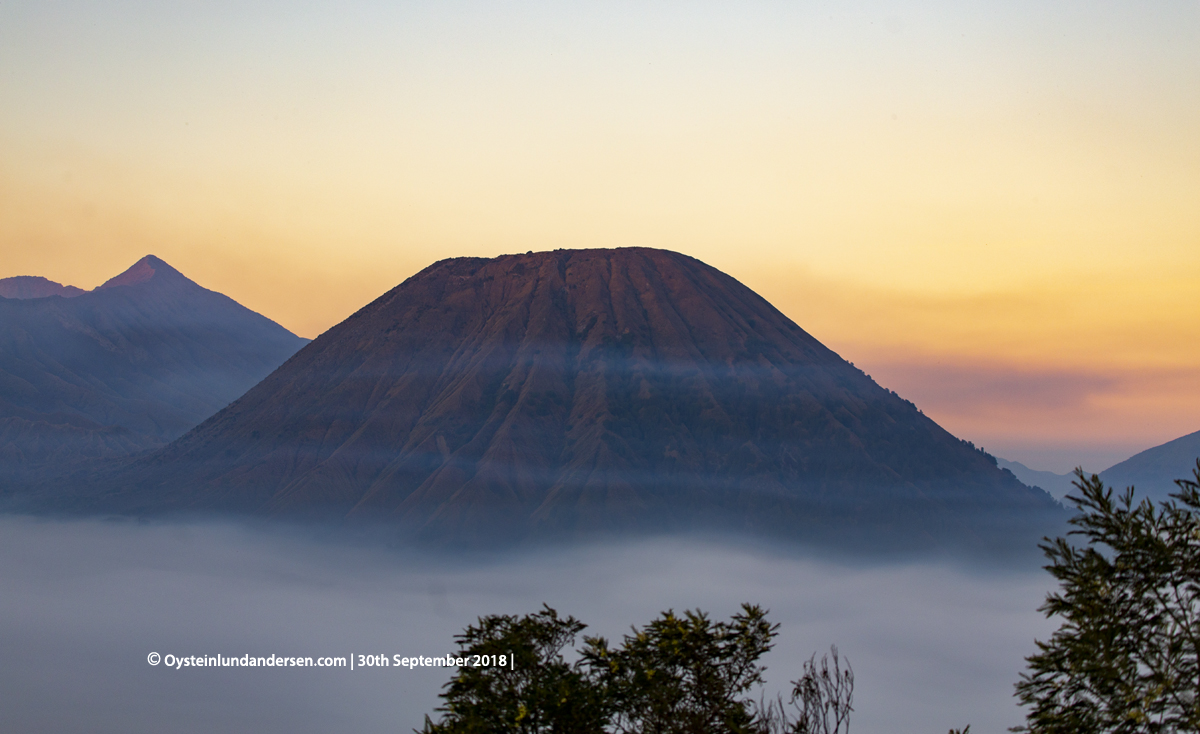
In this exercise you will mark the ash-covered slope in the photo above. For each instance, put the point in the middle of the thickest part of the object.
(565, 392)
(128, 366)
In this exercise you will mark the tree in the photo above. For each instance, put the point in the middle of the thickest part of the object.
(531, 691)
(678, 674)
(684, 674)
(824, 695)
(1127, 656)
(822, 699)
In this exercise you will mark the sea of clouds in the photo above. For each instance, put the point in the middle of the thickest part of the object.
(933, 644)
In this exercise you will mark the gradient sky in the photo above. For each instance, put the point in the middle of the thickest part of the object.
(993, 208)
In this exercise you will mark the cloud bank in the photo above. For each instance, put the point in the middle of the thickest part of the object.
(932, 645)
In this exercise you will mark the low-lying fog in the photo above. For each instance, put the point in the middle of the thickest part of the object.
(82, 604)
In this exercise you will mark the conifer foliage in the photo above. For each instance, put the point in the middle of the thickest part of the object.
(1127, 656)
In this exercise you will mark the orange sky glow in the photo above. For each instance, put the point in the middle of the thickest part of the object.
(993, 211)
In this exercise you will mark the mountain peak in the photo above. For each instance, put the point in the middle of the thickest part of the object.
(35, 286)
(575, 391)
(142, 271)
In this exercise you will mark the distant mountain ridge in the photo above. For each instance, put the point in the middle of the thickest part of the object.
(1058, 485)
(1152, 473)
(34, 286)
(128, 366)
(558, 393)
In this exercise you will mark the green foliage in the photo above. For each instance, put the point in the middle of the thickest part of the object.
(536, 691)
(684, 674)
(678, 674)
(1127, 657)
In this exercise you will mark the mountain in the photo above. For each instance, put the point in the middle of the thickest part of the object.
(1153, 472)
(128, 366)
(34, 286)
(1058, 485)
(563, 393)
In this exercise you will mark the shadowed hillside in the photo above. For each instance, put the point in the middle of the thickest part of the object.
(126, 367)
(1152, 473)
